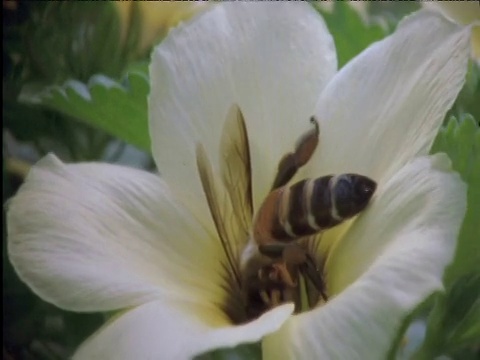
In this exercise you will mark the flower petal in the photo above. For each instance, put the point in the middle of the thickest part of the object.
(399, 248)
(424, 197)
(95, 237)
(387, 104)
(163, 331)
(270, 59)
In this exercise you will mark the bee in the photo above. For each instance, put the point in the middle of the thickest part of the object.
(290, 213)
(266, 252)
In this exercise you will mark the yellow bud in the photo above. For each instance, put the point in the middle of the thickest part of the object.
(157, 17)
(463, 12)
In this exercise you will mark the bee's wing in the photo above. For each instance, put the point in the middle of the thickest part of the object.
(221, 210)
(232, 209)
(236, 171)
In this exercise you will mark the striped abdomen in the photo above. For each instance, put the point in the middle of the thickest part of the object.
(310, 206)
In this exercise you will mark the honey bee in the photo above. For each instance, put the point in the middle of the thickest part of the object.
(267, 251)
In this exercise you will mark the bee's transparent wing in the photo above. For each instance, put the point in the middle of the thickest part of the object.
(231, 207)
(228, 233)
(236, 171)
(219, 208)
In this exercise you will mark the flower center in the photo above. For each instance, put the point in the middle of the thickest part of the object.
(292, 275)
(278, 263)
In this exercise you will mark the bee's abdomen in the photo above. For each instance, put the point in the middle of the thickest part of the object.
(302, 209)
(311, 206)
(321, 203)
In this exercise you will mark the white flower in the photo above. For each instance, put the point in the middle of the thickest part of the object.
(463, 12)
(98, 237)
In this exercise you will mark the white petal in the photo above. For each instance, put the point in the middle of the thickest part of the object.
(161, 331)
(95, 237)
(399, 248)
(387, 104)
(271, 59)
(423, 197)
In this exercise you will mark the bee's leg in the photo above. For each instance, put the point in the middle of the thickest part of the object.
(286, 257)
(291, 162)
(261, 289)
(295, 254)
(310, 270)
(290, 253)
(266, 279)
(272, 250)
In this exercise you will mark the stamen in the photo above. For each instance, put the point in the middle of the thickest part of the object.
(265, 298)
(276, 299)
(284, 274)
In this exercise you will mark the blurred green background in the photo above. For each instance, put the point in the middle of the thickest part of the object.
(75, 82)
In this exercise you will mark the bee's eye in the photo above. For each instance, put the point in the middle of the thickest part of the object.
(352, 193)
(364, 187)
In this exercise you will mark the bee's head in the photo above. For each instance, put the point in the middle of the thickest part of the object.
(352, 193)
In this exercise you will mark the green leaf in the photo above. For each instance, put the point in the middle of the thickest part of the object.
(454, 324)
(401, 347)
(119, 108)
(391, 12)
(241, 352)
(461, 141)
(456, 312)
(467, 100)
(75, 39)
(350, 33)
